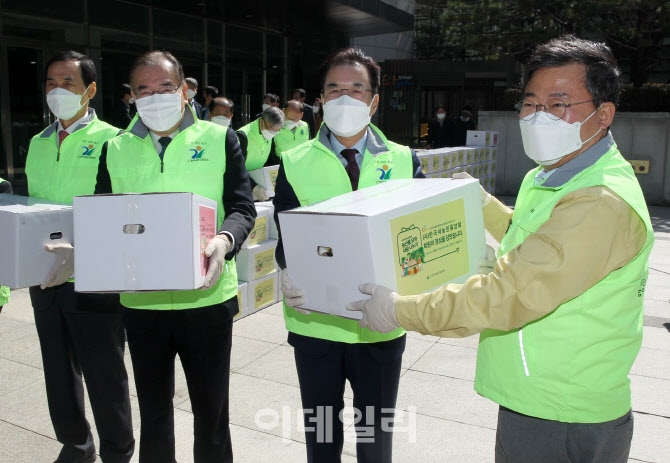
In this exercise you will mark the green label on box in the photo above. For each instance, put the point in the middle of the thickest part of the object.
(431, 247)
(264, 263)
(259, 233)
(264, 293)
(273, 179)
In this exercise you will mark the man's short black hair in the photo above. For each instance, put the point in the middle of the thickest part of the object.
(153, 58)
(222, 101)
(603, 76)
(192, 81)
(301, 91)
(467, 107)
(353, 56)
(211, 91)
(88, 73)
(440, 106)
(272, 97)
(125, 90)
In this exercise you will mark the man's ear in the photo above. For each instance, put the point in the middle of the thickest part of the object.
(606, 114)
(375, 104)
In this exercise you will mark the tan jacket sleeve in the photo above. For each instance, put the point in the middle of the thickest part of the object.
(590, 233)
(496, 218)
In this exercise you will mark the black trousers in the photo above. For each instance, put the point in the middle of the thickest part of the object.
(526, 439)
(373, 370)
(202, 337)
(84, 333)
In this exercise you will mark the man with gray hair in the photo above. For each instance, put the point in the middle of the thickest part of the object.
(256, 143)
(560, 311)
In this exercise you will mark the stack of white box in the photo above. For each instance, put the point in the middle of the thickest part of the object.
(257, 271)
(478, 160)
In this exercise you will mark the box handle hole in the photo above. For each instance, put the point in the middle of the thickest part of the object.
(133, 229)
(324, 251)
(56, 235)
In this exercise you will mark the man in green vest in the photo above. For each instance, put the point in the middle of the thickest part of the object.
(256, 143)
(560, 314)
(6, 188)
(168, 149)
(79, 333)
(294, 132)
(348, 153)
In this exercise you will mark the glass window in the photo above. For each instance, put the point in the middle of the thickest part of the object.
(73, 10)
(188, 43)
(244, 46)
(119, 15)
(57, 33)
(215, 39)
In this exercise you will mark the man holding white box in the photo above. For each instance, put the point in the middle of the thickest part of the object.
(79, 333)
(167, 149)
(561, 311)
(348, 153)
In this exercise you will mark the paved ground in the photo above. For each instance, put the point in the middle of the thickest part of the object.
(453, 423)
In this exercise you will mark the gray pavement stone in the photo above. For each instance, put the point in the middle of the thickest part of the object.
(658, 287)
(17, 375)
(470, 341)
(262, 327)
(656, 338)
(278, 366)
(21, 445)
(650, 439)
(657, 308)
(448, 360)
(652, 363)
(650, 395)
(246, 350)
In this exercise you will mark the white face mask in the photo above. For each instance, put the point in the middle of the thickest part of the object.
(160, 112)
(190, 93)
(546, 141)
(64, 104)
(441, 116)
(268, 134)
(265, 106)
(290, 125)
(346, 116)
(221, 120)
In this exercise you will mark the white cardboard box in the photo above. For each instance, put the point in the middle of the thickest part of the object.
(266, 177)
(142, 242)
(481, 138)
(262, 292)
(242, 300)
(408, 235)
(262, 227)
(274, 234)
(256, 261)
(26, 226)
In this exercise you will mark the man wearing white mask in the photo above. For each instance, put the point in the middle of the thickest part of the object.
(167, 149)
(295, 131)
(348, 153)
(257, 147)
(79, 333)
(560, 314)
(191, 93)
(221, 111)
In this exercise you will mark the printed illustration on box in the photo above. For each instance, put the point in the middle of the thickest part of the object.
(430, 243)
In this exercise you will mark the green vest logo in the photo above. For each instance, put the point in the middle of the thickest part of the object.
(386, 172)
(87, 150)
(197, 152)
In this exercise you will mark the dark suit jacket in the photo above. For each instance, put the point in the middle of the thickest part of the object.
(237, 199)
(198, 108)
(120, 116)
(440, 136)
(308, 116)
(285, 199)
(460, 131)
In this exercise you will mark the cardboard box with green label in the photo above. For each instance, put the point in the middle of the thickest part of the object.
(266, 177)
(256, 261)
(409, 235)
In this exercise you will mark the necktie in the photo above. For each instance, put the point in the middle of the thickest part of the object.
(352, 168)
(164, 141)
(61, 136)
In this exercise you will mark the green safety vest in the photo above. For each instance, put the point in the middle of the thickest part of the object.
(288, 139)
(258, 148)
(317, 174)
(4, 290)
(194, 162)
(60, 174)
(571, 365)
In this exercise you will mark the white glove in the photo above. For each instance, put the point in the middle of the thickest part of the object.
(63, 268)
(260, 194)
(379, 310)
(293, 297)
(486, 196)
(488, 263)
(216, 250)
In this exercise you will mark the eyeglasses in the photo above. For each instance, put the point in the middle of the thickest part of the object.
(357, 92)
(164, 90)
(555, 108)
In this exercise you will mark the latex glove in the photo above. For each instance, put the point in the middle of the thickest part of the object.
(293, 297)
(63, 268)
(260, 194)
(379, 310)
(216, 250)
(488, 263)
(486, 196)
